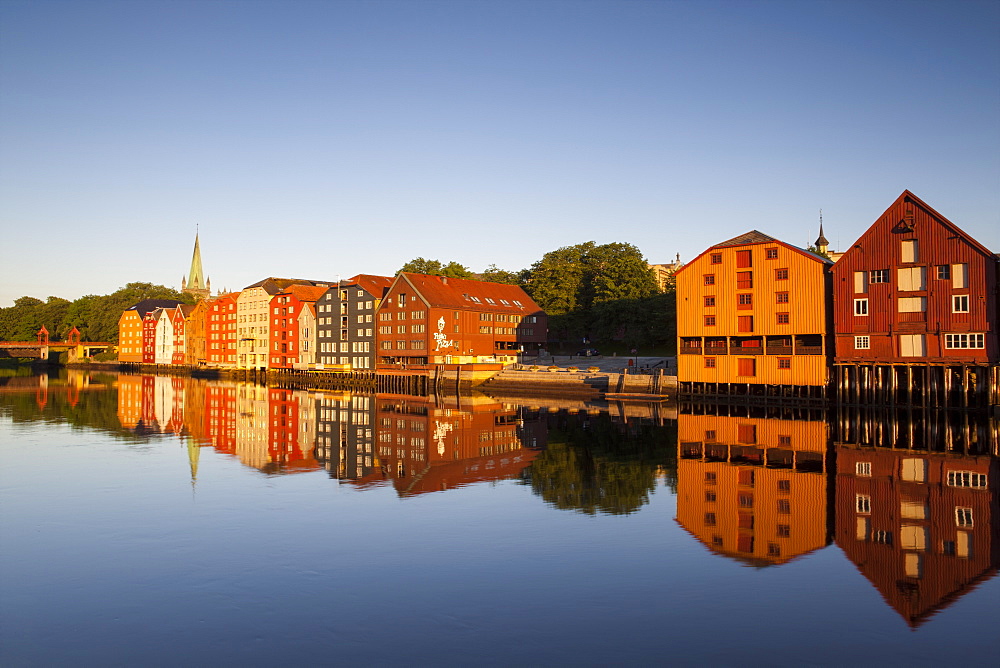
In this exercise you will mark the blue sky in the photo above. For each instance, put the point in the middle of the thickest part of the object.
(317, 139)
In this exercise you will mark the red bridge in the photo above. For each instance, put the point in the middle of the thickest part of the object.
(42, 348)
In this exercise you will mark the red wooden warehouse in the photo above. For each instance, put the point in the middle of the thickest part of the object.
(915, 293)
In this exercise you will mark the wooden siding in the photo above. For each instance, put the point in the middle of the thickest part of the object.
(749, 306)
(745, 510)
(938, 243)
(897, 520)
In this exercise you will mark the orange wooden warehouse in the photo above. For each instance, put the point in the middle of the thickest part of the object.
(753, 311)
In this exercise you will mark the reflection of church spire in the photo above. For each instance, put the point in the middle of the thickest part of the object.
(194, 451)
(196, 284)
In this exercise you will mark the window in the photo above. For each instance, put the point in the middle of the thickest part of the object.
(963, 516)
(909, 250)
(862, 504)
(860, 307)
(783, 318)
(784, 531)
(710, 496)
(860, 282)
(878, 276)
(882, 537)
(780, 297)
(744, 301)
(967, 479)
(746, 367)
(784, 486)
(960, 303)
(863, 469)
(960, 276)
(709, 362)
(744, 280)
(784, 362)
(912, 304)
(744, 323)
(862, 343)
(771, 253)
(744, 258)
(710, 300)
(913, 469)
(781, 274)
(716, 258)
(944, 272)
(952, 341)
(912, 345)
(709, 321)
(911, 278)
(709, 279)
(710, 519)
(784, 507)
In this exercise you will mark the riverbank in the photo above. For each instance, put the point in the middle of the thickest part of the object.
(639, 378)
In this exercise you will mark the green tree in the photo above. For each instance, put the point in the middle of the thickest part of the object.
(435, 268)
(494, 274)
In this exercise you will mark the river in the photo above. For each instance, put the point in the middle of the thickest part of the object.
(173, 521)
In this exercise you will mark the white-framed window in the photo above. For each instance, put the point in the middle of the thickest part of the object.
(963, 516)
(878, 276)
(967, 479)
(863, 469)
(960, 303)
(953, 341)
(862, 503)
(860, 307)
(862, 342)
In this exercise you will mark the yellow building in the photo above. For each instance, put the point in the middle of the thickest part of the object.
(753, 489)
(753, 311)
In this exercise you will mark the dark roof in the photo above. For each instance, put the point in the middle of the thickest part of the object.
(751, 237)
(147, 305)
(274, 285)
(463, 293)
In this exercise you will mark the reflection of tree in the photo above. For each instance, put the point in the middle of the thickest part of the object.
(596, 466)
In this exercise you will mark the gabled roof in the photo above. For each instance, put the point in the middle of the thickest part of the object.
(376, 286)
(274, 285)
(751, 237)
(147, 305)
(305, 293)
(463, 293)
(944, 222)
(756, 237)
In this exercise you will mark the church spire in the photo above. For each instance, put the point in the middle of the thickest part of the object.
(821, 243)
(196, 283)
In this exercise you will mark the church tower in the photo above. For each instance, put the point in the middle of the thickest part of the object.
(822, 245)
(196, 284)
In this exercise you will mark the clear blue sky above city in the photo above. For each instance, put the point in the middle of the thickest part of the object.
(325, 139)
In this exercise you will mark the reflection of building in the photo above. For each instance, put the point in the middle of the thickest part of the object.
(423, 447)
(754, 489)
(344, 437)
(922, 525)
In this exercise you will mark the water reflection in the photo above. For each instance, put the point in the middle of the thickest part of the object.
(754, 489)
(920, 517)
(910, 497)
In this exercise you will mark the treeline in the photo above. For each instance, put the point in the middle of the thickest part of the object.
(602, 294)
(96, 316)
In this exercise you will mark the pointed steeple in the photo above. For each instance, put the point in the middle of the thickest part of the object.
(196, 283)
(821, 242)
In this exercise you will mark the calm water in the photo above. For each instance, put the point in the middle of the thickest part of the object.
(157, 521)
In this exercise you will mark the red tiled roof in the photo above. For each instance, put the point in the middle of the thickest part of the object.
(375, 285)
(463, 293)
(305, 293)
